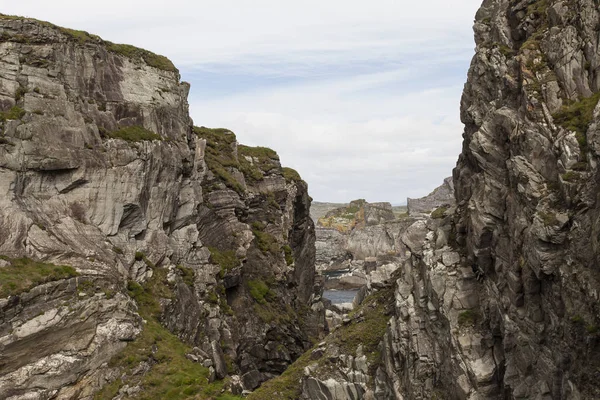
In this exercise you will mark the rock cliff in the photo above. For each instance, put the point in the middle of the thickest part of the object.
(138, 254)
(498, 298)
(442, 195)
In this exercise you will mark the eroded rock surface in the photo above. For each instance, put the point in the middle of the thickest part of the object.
(101, 169)
(498, 298)
(442, 195)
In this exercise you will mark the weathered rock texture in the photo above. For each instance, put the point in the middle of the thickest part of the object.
(499, 297)
(217, 227)
(442, 195)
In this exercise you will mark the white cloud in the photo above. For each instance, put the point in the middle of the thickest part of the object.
(361, 97)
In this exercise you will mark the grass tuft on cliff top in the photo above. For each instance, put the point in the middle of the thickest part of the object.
(135, 53)
(253, 162)
(24, 274)
(83, 37)
(172, 375)
(219, 155)
(291, 175)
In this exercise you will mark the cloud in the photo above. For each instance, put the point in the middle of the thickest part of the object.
(362, 98)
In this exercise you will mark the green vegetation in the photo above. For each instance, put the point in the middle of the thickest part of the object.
(220, 157)
(367, 328)
(467, 318)
(287, 386)
(271, 312)
(580, 166)
(172, 375)
(266, 242)
(134, 134)
(260, 291)
(15, 112)
(24, 274)
(262, 161)
(577, 319)
(570, 176)
(577, 116)
(538, 8)
(289, 257)
(253, 162)
(135, 53)
(548, 219)
(506, 51)
(139, 256)
(187, 275)
(439, 212)
(369, 324)
(19, 93)
(291, 175)
(226, 259)
(83, 37)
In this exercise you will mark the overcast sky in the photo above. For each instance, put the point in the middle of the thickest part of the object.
(361, 97)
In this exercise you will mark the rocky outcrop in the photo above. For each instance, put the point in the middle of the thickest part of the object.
(498, 297)
(527, 191)
(166, 226)
(441, 196)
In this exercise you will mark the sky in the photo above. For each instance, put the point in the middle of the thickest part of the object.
(361, 98)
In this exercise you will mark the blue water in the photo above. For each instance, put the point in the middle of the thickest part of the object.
(340, 296)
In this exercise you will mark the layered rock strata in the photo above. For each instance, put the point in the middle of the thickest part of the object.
(166, 226)
(499, 297)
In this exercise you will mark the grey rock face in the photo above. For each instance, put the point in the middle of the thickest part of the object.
(498, 299)
(129, 210)
(527, 196)
(442, 195)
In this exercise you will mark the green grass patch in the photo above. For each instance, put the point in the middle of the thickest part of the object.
(24, 274)
(577, 319)
(369, 324)
(134, 134)
(172, 375)
(547, 218)
(291, 175)
(83, 37)
(260, 291)
(506, 51)
(219, 155)
(265, 242)
(439, 212)
(570, 176)
(226, 259)
(289, 256)
(538, 8)
(187, 274)
(15, 112)
(261, 153)
(263, 161)
(19, 93)
(467, 318)
(577, 116)
(135, 53)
